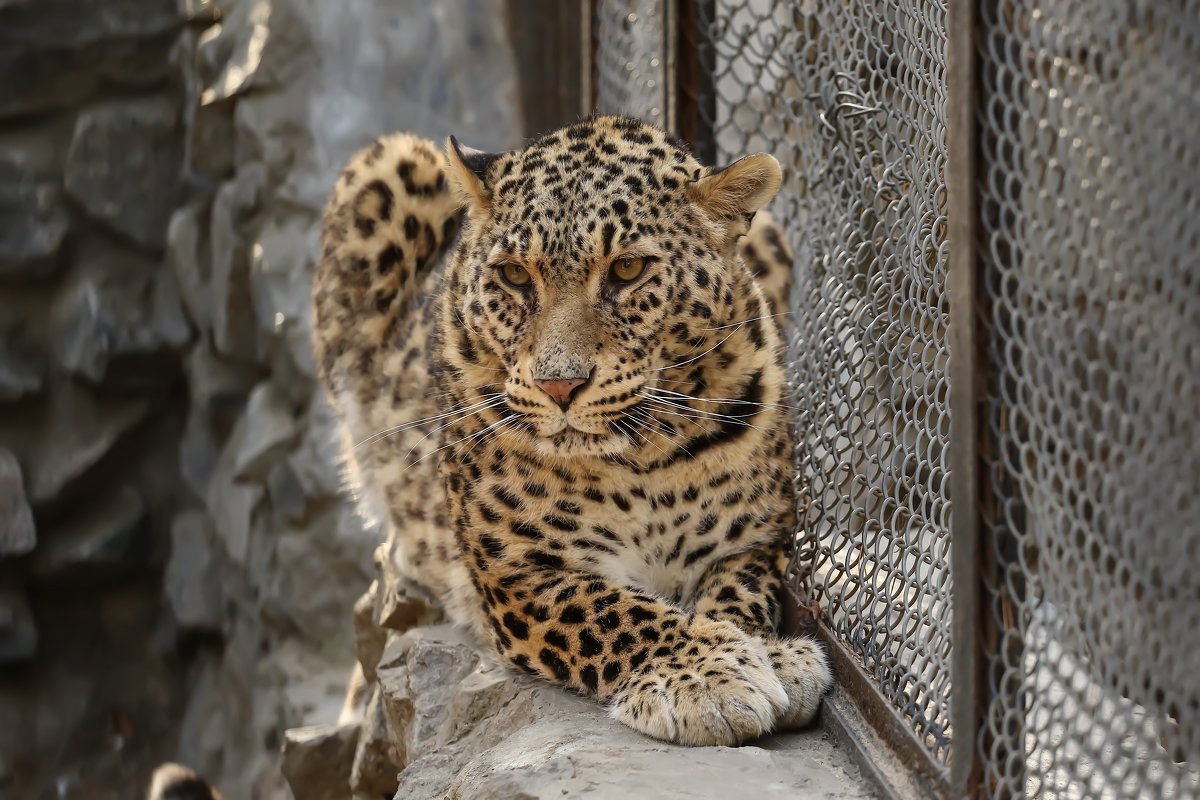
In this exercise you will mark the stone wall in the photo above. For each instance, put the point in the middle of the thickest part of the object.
(177, 568)
(92, 388)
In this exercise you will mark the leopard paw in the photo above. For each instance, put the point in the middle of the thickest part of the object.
(718, 687)
(802, 667)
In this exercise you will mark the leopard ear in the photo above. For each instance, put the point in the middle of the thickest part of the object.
(735, 192)
(469, 174)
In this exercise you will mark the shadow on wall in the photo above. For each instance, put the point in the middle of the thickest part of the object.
(175, 562)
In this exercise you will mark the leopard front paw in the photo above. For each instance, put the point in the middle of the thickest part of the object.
(804, 670)
(718, 687)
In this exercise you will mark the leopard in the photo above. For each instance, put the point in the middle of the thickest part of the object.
(558, 378)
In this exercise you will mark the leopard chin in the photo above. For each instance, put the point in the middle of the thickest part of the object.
(573, 443)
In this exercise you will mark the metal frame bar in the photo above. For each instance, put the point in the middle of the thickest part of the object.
(587, 51)
(553, 71)
(693, 101)
(857, 713)
(966, 394)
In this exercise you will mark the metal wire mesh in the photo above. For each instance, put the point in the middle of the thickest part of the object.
(850, 98)
(1089, 192)
(631, 61)
(1089, 183)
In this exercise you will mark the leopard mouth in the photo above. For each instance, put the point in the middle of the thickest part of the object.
(573, 442)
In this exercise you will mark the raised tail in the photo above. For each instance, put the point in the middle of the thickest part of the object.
(390, 220)
(389, 224)
(177, 782)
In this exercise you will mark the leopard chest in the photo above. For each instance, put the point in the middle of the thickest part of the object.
(659, 533)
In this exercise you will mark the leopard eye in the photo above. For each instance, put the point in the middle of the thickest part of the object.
(627, 270)
(515, 275)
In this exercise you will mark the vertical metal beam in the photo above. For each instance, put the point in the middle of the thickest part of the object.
(587, 48)
(695, 106)
(551, 64)
(966, 395)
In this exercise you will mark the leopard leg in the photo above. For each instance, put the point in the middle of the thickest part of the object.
(668, 674)
(746, 589)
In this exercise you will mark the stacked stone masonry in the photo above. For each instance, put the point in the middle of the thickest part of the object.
(178, 567)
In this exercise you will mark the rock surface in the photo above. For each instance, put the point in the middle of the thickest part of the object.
(17, 532)
(18, 631)
(99, 539)
(79, 428)
(315, 760)
(34, 218)
(117, 306)
(457, 725)
(125, 167)
(193, 576)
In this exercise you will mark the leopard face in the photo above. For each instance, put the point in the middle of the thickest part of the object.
(593, 263)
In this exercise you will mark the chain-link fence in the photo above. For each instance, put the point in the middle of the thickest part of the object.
(1089, 184)
(1086, 311)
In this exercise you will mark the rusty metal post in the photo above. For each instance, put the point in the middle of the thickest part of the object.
(552, 64)
(695, 101)
(966, 395)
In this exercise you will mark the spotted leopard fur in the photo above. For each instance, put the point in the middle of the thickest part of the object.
(630, 543)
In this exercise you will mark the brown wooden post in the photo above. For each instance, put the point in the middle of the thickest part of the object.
(548, 40)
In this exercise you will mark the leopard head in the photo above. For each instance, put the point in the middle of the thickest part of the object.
(592, 263)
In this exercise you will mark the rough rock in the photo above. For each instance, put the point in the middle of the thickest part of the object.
(281, 276)
(232, 504)
(18, 632)
(98, 540)
(192, 581)
(198, 453)
(116, 306)
(188, 257)
(402, 604)
(78, 430)
(285, 491)
(125, 167)
(48, 79)
(414, 673)
(22, 357)
(473, 730)
(20, 373)
(263, 433)
(17, 532)
(69, 23)
(235, 332)
(318, 569)
(317, 760)
(34, 219)
(219, 386)
(317, 461)
(374, 771)
(369, 639)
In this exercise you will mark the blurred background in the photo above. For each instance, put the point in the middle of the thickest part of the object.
(176, 568)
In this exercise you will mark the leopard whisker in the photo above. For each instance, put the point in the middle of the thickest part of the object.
(672, 394)
(499, 402)
(419, 422)
(752, 319)
(646, 439)
(481, 438)
(655, 425)
(698, 415)
(457, 441)
(702, 355)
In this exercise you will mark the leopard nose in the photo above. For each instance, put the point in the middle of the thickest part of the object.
(561, 390)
